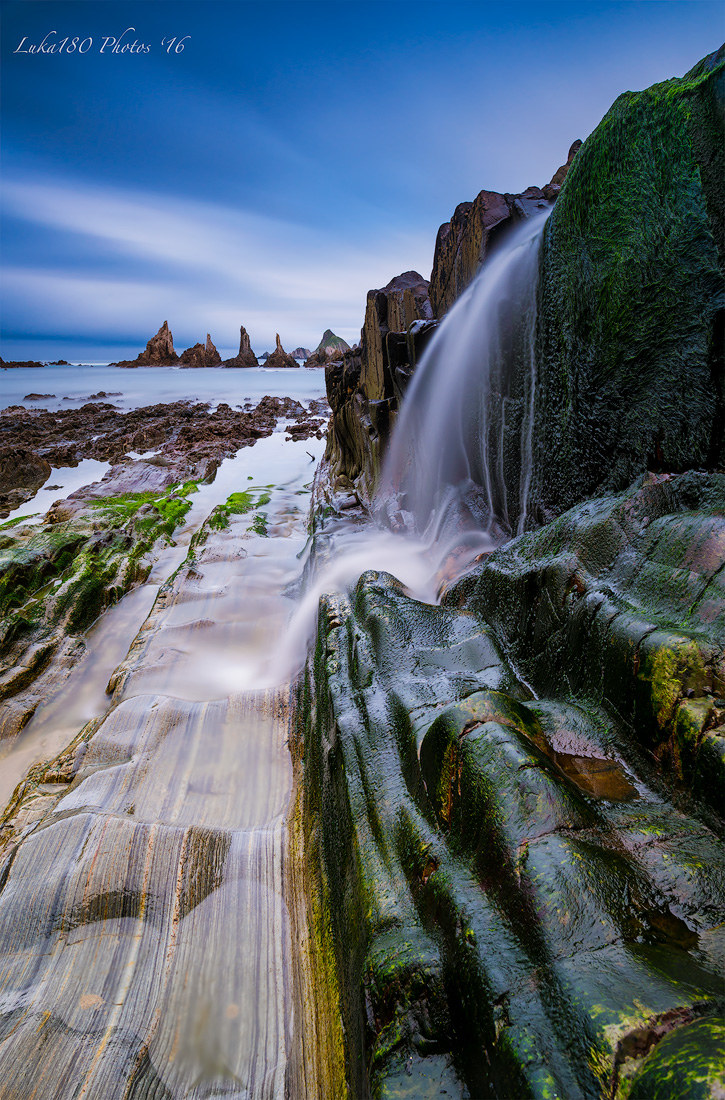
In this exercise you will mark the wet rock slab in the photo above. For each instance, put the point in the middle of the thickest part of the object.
(523, 895)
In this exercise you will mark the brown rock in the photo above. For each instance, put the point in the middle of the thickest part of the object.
(553, 188)
(201, 355)
(159, 350)
(279, 357)
(464, 242)
(245, 357)
(21, 468)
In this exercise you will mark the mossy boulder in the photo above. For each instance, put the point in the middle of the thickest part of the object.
(620, 602)
(631, 374)
(515, 907)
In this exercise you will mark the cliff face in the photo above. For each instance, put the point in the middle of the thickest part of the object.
(364, 388)
(632, 296)
(464, 242)
(631, 317)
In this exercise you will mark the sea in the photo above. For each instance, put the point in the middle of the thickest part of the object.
(131, 388)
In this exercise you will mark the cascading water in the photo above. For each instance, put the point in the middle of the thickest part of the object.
(456, 479)
(460, 455)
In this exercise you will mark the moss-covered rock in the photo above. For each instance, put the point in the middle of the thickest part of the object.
(621, 602)
(57, 578)
(516, 907)
(632, 296)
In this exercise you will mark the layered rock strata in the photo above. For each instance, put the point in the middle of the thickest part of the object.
(522, 897)
(365, 387)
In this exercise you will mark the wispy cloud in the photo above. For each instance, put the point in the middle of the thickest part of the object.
(200, 264)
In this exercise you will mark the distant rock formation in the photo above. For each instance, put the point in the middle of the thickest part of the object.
(301, 353)
(159, 350)
(14, 363)
(201, 355)
(279, 357)
(330, 347)
(245, 357)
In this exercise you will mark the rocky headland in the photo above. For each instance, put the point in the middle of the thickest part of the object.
(513, 800)
(505, 857)
(330, 347)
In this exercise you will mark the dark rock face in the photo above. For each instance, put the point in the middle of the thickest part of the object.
(330, 347)
(201, 355)
(159, 351)
(464, 242)
(365, 387)
(632, 296)
(12, 364)
(245, 357)
(280, 358)
(22, 468)
(621, 601)
(518, 904)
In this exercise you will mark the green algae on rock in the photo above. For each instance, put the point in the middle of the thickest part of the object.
(631, 373)
(620, 602)
(500, 928)
(57, 578)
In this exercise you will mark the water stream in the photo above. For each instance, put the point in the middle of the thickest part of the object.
(447, 464)
(147, 946)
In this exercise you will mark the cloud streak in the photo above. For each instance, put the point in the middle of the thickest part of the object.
(201, 264)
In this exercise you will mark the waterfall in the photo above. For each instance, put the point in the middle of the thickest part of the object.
(460, 455)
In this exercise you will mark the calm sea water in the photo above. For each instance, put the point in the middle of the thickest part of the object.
(72, 386)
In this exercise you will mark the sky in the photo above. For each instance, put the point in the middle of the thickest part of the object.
(266, 164)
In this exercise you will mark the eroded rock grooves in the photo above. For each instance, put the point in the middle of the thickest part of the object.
(516, 796)
(501, 871)
(147, 910)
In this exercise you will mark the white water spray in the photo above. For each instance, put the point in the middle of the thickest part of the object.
(467, 417)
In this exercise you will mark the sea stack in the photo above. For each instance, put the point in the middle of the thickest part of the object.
(245, 356)
(201, 355)
(330, 347)
(279, 357)
(159, 350)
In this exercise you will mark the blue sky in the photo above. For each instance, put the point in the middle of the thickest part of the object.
(291, 157)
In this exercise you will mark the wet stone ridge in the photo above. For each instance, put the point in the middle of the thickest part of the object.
(621, 602)
(519, 904)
